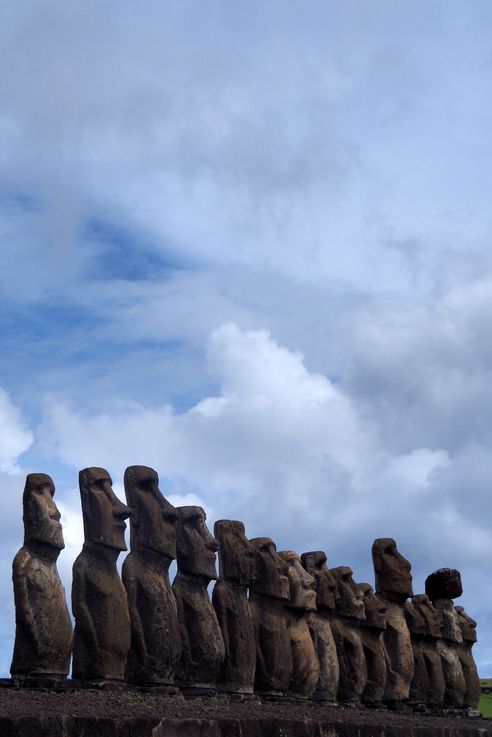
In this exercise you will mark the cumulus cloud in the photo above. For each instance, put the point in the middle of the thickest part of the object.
(15, 438)
(288, 451)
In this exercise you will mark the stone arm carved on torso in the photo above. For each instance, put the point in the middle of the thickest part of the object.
(219, 602)
(81, 612)
(130, 578)
(24, 617)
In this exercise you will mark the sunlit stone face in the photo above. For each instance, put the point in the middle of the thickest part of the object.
(271, 572)
(392, 571)
(326, 587)
(236, 554)
(302, 594)
(195, 546)
(41, 515)
(104, 514)
(350, 602)
(153, 523)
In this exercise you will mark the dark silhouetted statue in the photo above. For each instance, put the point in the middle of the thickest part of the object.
(230, 601)
(371, 632)
(203, 649)
(268, 594)
(394, 587)
(347, 636)
(319, 624)
(420, 685)
(469, 635)
(302, 600)
(442, 587)
(43, 634)
(156, 640)
(427, 645)
(99, 604)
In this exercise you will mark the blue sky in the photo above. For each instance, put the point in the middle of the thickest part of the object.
(249, 244)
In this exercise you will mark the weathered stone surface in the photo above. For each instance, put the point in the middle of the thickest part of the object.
(419, 688)
(444, 584)
(469, 635)
(43, 635)
(156, 640)
(428, 646)
(102, 624)
(230, 601)
(268, 593)
(393, 587)
(371, 631)
(347, 635)
(441, 586)
(302, 600)
(319, 625)
(203, 649)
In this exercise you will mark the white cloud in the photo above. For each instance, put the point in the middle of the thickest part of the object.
(15, 438)
(283, 448)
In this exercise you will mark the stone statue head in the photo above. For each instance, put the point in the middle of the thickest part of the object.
(271, 572)
(392, 570)
(431, 616)
(326, 587)
(195, 545)
(302, 594)
(236, 554)
(350, 602)
(153, 523)
(444, 584)
(415, 621)
(374, 608)
(104, 514)
(41, 516)
(468, 625)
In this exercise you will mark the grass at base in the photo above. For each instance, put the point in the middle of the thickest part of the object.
(485, 705)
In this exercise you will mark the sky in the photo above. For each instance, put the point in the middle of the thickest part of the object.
(248, 244)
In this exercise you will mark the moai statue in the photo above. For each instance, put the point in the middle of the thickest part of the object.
(394, 587)
(43, 633)
(268, 594)
(156, 642)
(442, 587)
(203, 649)
(420, 685)
(371, 632)
(102, 624)
(347, 636)
(469, 634)
(302, 600)
(230, 601)
(428, 647)
(319, 624)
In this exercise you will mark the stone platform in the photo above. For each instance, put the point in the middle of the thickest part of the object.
(88, 713)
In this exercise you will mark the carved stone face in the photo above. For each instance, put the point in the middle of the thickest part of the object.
(195, 546)
(431, 616)
(468, 625)
(415, 621)
(302, 594)
(393, 577)
(444, 584)
(326, 587)
(104, 514)
(236, 554)
(271, 572)
(350, 596)
(374, 608)
(41, 515)
(153, 523)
